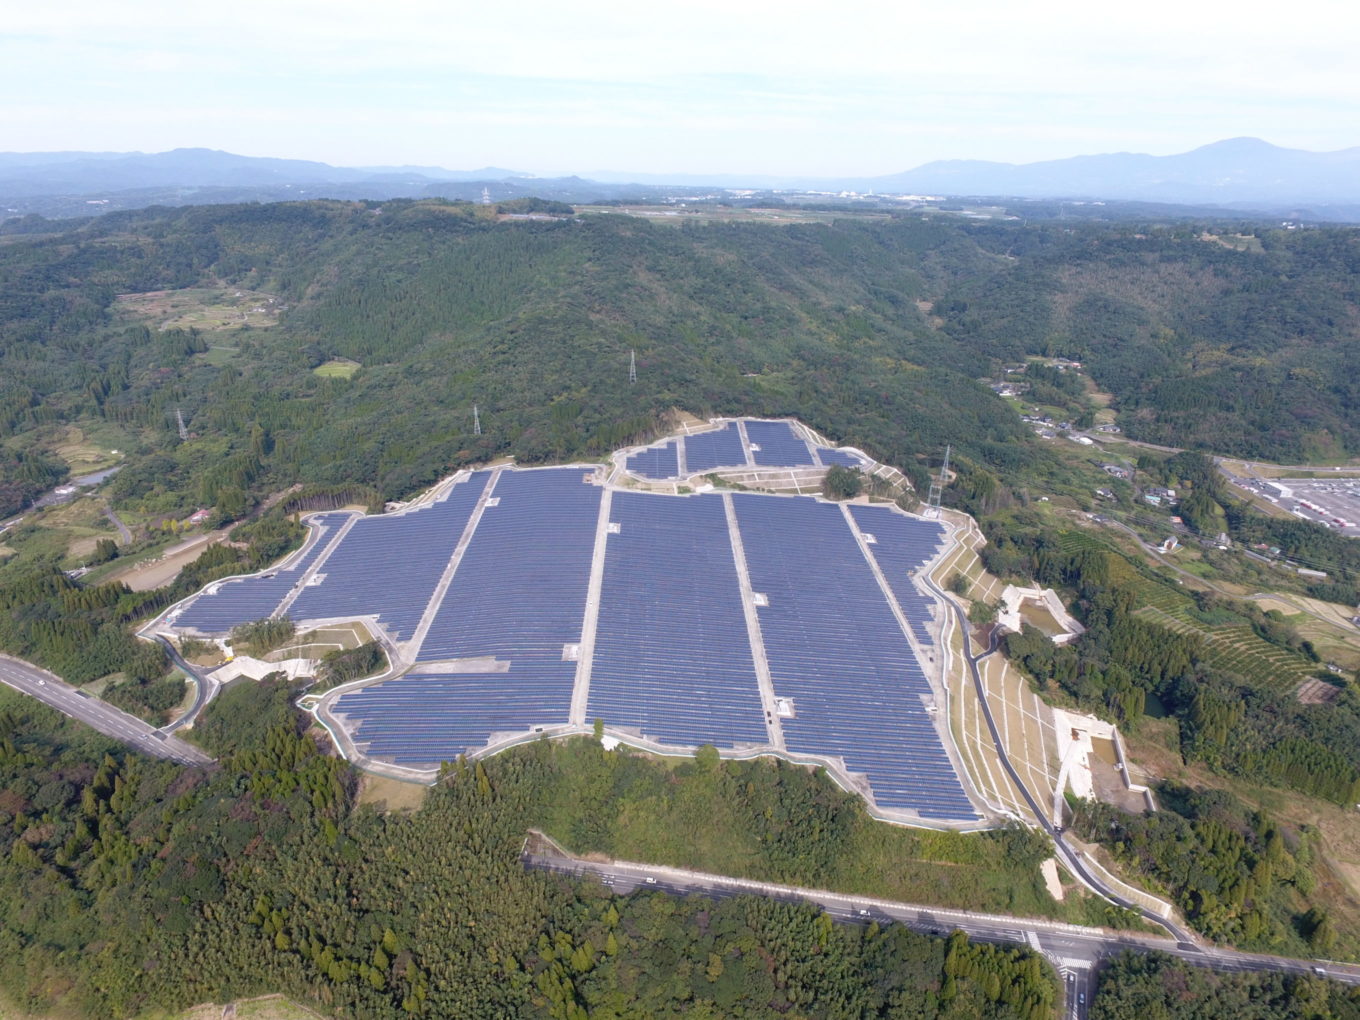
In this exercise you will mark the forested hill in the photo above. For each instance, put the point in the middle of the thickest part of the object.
(874, 330)
(445, 307)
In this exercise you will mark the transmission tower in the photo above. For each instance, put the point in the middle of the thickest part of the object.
(937, 487)
(632, 366)
(486, 196)
(476, 421)
(179, 420)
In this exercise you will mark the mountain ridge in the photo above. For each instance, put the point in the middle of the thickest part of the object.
(1235, 173)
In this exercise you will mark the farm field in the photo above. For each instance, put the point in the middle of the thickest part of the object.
(208, 309)
(337, 368)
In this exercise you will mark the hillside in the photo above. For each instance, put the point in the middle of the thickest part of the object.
(871, 330)
(443, 307)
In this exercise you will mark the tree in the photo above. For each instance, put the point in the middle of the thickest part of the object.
(842, 482)
(982, 612)
(104, 550)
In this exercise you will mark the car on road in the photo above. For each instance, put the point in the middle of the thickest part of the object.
(1319, 971)
(42, 683)
(650, 880)
(863, 912)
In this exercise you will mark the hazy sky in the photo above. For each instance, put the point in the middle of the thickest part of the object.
(752, 87)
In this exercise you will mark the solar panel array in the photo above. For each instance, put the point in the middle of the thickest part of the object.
(421, 721)
(709, 450)
(672, 657)
(518, 597)
(390, 564)
(845, 458)
(656, 461)
(835, 648)
(902, 546)
(778, 445)
(254, 598)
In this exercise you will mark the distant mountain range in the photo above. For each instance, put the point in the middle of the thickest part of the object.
(1244, 174)
(1237, 171)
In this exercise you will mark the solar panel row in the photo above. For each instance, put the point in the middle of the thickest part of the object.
(835, 648)
(672, 658)
(656, 461)
(829, 456)
(903, 545)
(421, 721)
(253, 598)
(778, 445)
(390, 564)
(719, 448)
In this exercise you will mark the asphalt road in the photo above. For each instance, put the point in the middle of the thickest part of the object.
(205, 688)
(1070, 858)
(124, 533)
(108, 720)
(1075, 951)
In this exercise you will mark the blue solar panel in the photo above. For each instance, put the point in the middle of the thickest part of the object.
(518, 597)
(390, 564)
(719, 448)
(421, 721)
(254, 598)
(656, 462)
(779, 446)
(845, 458)
(835, 647)
(672, 656)
(902, 545)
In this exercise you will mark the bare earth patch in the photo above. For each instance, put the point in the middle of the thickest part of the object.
(1317, 692)
(391, 794)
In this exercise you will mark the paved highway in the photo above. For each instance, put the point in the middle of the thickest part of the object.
(108, 720)
(1072, 949)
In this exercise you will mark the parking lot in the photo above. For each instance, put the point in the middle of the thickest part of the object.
(1332, 503)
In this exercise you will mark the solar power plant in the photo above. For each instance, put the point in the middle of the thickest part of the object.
(902, 546)
(719, 448)
(253, 598)
(656, 461)
(390, 564)
(835, 648)
(421, 721)
(672, 655)
(778, 445)
(672, 658)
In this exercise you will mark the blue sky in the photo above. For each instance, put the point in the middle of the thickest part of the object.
(703, 86)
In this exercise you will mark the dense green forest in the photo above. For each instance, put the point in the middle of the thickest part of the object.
(131, 883)
(443, 307)
(1156, 987)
